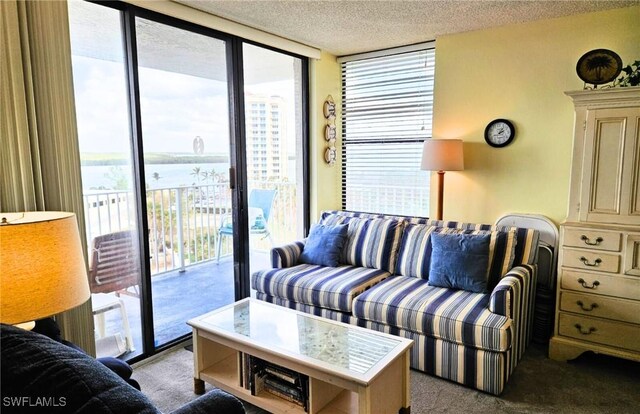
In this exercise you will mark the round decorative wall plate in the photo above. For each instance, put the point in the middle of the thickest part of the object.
(330, 155)
(330, 133)
(599, 66)
(329, 108)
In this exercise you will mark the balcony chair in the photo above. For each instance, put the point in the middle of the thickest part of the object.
(260, 204)
(114, 269)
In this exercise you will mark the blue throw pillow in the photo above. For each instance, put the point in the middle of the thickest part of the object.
(324, 245)
(460, 261)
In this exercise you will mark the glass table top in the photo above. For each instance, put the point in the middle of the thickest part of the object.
(273, 326)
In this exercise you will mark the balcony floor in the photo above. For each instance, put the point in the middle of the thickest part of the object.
(178, 297)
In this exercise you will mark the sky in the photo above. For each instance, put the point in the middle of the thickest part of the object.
(175, 108)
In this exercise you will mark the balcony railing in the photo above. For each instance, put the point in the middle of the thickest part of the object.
(408, 200)
(184, 221)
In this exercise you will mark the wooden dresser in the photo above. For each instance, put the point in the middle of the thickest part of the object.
(598, 295)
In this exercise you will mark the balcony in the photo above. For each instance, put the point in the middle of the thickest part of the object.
(187, 279)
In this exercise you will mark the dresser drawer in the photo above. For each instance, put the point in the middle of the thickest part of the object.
(592, 239)
(601, 307)
(600, 331)
(601, 284)
(586, 260)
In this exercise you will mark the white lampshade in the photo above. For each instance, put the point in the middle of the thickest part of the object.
(42, 266)
(442, 155)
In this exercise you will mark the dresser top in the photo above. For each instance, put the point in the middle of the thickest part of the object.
(629, 94)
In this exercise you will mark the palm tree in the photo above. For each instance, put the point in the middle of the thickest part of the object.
(156, 176)
(597, 64)
(196, 173)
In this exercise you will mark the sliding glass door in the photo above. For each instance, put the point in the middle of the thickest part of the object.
(185, 136)
(193, 163)
(275, 142)
(110, 196)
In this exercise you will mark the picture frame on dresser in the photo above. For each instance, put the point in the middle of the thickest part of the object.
(598, 287)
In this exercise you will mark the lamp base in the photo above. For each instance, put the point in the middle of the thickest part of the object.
(440, 195)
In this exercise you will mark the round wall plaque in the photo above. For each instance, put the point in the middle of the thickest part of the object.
(599, 66)
(330, 133)
(329, 108)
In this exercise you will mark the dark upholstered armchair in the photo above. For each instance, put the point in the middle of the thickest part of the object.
(41, 375)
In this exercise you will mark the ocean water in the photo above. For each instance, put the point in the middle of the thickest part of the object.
(170, 175)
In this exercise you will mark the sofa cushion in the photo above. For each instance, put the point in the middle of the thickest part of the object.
(451, 315)
(326, 287)
(527, 239)
(460, 261)
(526, 244)
(324, 245)
(373, 243)
(414, 255)
(502, 248)
(342, 216)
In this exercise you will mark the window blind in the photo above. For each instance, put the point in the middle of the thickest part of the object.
(387, 112)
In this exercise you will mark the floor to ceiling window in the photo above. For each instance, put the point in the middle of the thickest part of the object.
(174, 173)
(110, 197)
(274, 150)
(387, 112)
(185, 139)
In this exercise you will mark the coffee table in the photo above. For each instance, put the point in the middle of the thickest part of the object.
(351, 369)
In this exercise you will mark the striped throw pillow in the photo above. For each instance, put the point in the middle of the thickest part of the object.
(415, 251)
(414, 257)
(502, 249)
(332, 219)
(373, 243)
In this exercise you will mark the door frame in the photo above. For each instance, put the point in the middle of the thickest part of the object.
(237, 148)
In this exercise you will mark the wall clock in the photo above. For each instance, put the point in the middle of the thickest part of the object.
(499, 133)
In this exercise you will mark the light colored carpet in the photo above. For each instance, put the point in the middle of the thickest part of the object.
(588, 385)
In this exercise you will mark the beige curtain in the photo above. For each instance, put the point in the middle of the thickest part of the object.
(40, 166)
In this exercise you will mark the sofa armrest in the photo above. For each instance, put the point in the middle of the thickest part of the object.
(510, 288)
(286, 255)
(514, 297)
(215, 401)
(507, 294)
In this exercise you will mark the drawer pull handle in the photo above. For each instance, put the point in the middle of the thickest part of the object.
(584, 284)
(584, 308)
(589, 332)
(595, 263)
(588, 242)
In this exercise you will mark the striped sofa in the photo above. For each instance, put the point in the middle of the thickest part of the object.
(475, 339)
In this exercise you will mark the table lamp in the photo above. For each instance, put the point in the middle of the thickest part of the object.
(42, 266)
(442, 155)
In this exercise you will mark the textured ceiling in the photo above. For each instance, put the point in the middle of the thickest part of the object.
(350, 26)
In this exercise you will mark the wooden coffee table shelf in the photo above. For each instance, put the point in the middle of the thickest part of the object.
(351, 382)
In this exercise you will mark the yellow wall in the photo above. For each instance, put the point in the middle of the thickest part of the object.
(518, 72)
(324, 80)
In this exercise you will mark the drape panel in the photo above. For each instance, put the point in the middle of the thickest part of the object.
(40, 155)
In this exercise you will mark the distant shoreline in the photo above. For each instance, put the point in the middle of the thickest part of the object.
(96, 159)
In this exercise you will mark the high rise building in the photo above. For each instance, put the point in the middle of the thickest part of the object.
(267, 158)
